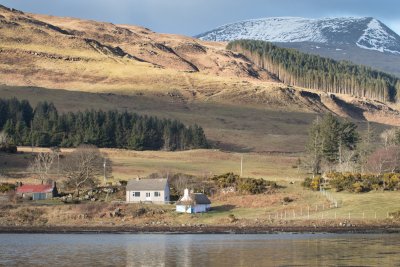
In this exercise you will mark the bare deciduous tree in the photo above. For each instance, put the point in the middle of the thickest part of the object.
(41, 165)
(385, 160)
(82, 167)
(389, 137)
(348, 161)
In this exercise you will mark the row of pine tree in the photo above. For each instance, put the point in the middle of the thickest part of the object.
(45, 127)
(310, 71)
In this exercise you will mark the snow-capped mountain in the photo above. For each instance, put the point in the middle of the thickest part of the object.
(366, 33)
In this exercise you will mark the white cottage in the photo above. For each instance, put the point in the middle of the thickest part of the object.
(148, 190)
(193, 203)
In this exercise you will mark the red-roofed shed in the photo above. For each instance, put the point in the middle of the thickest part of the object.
(37, 191)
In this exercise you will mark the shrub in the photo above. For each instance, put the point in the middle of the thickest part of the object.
(312, 183)
(226, 180)
(287, 200)
(6, 187)
(8, 148)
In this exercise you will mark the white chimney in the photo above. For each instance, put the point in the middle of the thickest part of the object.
(186, 196)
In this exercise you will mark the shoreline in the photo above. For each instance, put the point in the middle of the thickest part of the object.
(197, 230)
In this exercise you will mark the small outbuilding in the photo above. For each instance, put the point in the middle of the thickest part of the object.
(148, 190)
(37, 191)
(193, 203)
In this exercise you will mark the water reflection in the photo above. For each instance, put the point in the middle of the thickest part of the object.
(198, 250)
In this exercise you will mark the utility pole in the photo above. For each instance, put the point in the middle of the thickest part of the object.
(104, 166)
(32, 134)
(241, 166)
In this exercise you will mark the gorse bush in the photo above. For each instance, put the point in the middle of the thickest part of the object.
(312, 183)
(357, 183)
(243, 185)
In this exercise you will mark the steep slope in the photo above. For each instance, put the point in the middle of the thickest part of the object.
(361, 40)
(87, 55)
(366, 33)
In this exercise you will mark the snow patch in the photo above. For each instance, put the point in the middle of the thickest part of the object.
(375, 37)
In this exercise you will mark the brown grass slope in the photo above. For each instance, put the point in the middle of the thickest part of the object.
(240, 106)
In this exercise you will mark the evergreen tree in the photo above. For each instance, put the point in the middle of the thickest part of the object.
(305, 70)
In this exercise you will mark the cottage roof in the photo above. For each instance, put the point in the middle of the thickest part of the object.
(147, 184)
(196, 198)
(35, 188)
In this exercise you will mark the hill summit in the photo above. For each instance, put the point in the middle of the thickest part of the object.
(366, 32)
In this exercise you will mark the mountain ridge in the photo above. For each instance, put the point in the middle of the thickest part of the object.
(365, 32)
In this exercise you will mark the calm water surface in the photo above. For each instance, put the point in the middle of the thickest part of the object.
(199, 250)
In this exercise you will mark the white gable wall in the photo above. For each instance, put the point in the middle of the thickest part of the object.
(199, 208)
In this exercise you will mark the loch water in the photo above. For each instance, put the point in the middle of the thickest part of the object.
(286, 249)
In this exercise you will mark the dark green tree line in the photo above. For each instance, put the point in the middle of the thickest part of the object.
(45, 127)
(329, 137)
(299, 69)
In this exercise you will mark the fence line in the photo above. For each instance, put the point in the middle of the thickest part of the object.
(319, 213)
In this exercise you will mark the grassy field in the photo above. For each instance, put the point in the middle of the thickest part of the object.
(238, 127)
(131, 164)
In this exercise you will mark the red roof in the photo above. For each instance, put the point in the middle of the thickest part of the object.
(35, 188)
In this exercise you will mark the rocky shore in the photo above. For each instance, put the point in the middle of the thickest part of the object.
(199, 230)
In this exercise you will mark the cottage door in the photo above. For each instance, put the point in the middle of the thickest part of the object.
(148, 198)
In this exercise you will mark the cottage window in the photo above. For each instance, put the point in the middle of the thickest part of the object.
(148, 194)
(136, 194)
(157, 194)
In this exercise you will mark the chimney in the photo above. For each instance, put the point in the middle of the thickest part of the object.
(186, 196)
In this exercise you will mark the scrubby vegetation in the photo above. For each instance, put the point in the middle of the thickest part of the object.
(315, 72)
(356, 182)
(243, 185)
(44, 126)
(7, 187)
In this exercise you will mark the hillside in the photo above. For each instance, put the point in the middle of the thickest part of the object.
(310, 71)
(363, 40)
(87, 55)
(241, 106)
